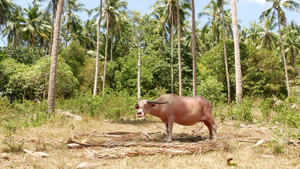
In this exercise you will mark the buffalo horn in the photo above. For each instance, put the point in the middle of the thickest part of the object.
(157, 102)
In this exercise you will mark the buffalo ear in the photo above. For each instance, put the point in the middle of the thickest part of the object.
(153, 105)
(136, 106)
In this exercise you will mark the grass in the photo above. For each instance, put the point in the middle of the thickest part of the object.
(27, 126)
(51, 138)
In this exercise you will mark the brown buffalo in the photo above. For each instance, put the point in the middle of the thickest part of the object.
(172, 108)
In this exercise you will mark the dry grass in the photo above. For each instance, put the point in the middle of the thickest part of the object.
(139, 145)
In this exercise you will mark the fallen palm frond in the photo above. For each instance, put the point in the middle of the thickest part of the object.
(133, 144)
(171, 149)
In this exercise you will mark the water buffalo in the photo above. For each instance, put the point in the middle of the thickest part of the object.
(182, 110)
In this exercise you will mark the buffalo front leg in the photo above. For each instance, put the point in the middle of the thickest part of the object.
(169, 129)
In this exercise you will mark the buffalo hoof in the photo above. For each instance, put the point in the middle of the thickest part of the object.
(167, 140)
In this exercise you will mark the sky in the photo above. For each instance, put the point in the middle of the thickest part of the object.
(247, 10)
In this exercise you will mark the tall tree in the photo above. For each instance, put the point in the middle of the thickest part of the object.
(98, 48)
(277, 7)
(194, 49)
(179, 47)
(221, 4)
(7, 8)
(53, 67)
(165, 11)
(292, 45)
(73, 21)
(12, 29)
(238, 70)
(33, 26)
(111, 12)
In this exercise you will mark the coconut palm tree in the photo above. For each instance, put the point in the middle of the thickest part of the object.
(53, 67)
(267, 38)
(238, 70)
(194, 49)
(12, 29)
(98, 48)
(277, 7)
(165, 11)
(179, 47)
(221, 4)
(111, 13)
(213, 11)
(34, 27)
(7, 8)
(72, 20)
(292, 44)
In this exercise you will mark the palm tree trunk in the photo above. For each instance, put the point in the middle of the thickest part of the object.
(194, 49)
(139, 71)
(97, 56)
(105, 60)
(111, 44)
(52, 28)
(172, 48)
(179, 48)
(225, 54)
(284, 60)
(53, 68)
(238, 71)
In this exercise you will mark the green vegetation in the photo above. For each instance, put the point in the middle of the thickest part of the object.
(25, 66)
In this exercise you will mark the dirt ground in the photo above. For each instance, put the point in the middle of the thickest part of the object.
(93, 143)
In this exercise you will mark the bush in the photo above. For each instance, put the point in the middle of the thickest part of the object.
(212, 90)
(266, 107)
(242, 112)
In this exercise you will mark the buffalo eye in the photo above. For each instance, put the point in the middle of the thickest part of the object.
(153, 105)
(136, 106)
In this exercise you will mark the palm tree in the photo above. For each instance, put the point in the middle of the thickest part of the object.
(213, 11)
(179, 47)
(34, 27)
(267, 39)
(165, 11)
(194, 49)
(52, 6)
(72, 20)
(253, 34)
(111, 8)
(98, 48)
(277, 7)
(7, 8)
(238, 71)
(221, 3)
(292, 44)
(53, 68)
(12, 29)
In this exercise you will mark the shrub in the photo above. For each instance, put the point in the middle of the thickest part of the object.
(242, 112)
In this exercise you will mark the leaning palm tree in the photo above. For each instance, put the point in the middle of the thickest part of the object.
(238, 70)
(277, 7)
(53, 68)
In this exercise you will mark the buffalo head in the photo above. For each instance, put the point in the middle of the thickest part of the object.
(145, 106)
